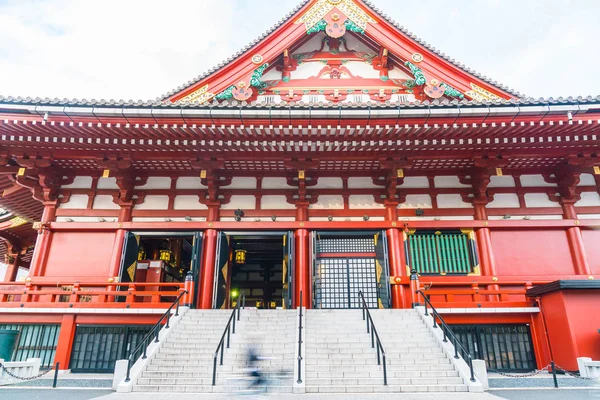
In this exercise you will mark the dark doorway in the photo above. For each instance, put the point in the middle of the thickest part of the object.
(258, 265)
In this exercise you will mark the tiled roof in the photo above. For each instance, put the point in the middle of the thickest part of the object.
(47, 102)
(376, 11)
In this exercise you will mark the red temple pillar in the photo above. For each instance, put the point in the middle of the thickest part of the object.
(302, 268)
(115, 261)
(396, 257)
(205, 295)
(484, 243)
(12, 268)
(65, 341)
(42, 244)
(580, 261)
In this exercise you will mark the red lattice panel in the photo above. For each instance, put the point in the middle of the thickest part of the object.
(534, 162)
(254, 165)
(349, 165)
(162, 165)
(442, 164)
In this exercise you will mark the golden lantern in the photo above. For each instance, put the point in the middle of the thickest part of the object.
(240, 256)
(165, 255)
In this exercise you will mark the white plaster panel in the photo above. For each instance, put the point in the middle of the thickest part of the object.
(417, 201)
(586, 180)
(275, 203)
(448, 182)
(525, 217)
(397, 73)
(355, 44)
(104, 202)
(272, 75)
(241, 202)
(438, 218)
(363, 201)
(344, 219)
(504, 200)
(329, 183)
(329, 202)
(539, 200)
(86, 219)
(362, 69)
(312, 44)
(167, 219)
(242, 182)
(588, 216)
(360, 183)
(275, 183)
(415, 182)
(80, 182)
(589, 199)
(189, 182)
(452, 201)
(534, 181)
(156, 182)
(502, 181)
(306, 70)
(76, 201)
(188, 202)
(153, 203)
(107, 183)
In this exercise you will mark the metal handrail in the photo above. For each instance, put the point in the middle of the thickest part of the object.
(300, 341)
(448, 333)
(229, 329)
(154, 331)
(374, 335)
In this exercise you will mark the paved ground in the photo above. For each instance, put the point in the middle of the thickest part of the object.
(88, 394)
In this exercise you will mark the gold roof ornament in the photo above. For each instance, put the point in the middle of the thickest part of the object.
(322, 7)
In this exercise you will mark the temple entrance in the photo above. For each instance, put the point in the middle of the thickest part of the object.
(345, 263)
(256, 264)
(159, 257)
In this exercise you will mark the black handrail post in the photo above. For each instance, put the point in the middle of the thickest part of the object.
(434, 315)
(168, 319)
(214, 368)
(56, 374)
(455, 347)
(233, 322)
(471, 367)
(373, 337)
(378, 357)
(384, 370)
(145, 351)
(156, 331)
(127, 379)
(228, 334)
(445, 335)
(177, 310)
(426, 310)
(554, 374)
(300, 341)
(371, 329)
(222, 352)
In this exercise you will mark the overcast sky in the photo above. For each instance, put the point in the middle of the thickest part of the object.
(130, 49)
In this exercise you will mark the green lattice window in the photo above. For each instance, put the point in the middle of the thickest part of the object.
(442, 252)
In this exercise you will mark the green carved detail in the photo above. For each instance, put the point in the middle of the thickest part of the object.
(301, 56)
(225, 94)
(276, 92)
(417, 73)
(286, 79)
(368, 57)
(318, 27)
(450, 91)
(365, 91)
(351, 26)
(384, 78)
(305, 91)
(350, 91)
(409, 84)
(321, 91)
(256, 75)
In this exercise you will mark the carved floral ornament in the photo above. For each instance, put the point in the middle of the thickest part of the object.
(335, 17)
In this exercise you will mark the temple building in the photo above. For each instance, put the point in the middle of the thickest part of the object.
(335, 153)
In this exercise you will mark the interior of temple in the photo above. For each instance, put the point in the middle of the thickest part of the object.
(259, 264)
(163, 259)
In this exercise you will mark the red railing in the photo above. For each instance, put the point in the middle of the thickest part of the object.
(483, 293)
(88, 294)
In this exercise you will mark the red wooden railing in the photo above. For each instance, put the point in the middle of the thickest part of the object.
(88, 294)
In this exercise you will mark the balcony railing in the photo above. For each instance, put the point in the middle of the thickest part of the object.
(65, 294)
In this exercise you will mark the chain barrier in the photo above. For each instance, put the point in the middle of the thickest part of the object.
(2, 367)
(539, 371)
(524, 375)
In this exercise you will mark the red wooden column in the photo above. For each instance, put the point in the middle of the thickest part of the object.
(484, 243)
(42, 244)
(115, 260)
(12, 268)
(302, 268)
(205, 295)
(396, 255)
(580, 261)
(65, 341)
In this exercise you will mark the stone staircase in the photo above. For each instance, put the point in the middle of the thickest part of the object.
(339, 357)
(184, 362)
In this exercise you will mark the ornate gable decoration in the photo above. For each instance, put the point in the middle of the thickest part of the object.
(335, 17)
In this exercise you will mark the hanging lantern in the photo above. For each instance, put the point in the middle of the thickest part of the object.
(165, 255)
(141, 253)
(240, 256)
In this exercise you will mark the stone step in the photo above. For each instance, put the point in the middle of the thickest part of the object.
(347, 381)
(386, 389)
(207, 389)
(365, 373)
